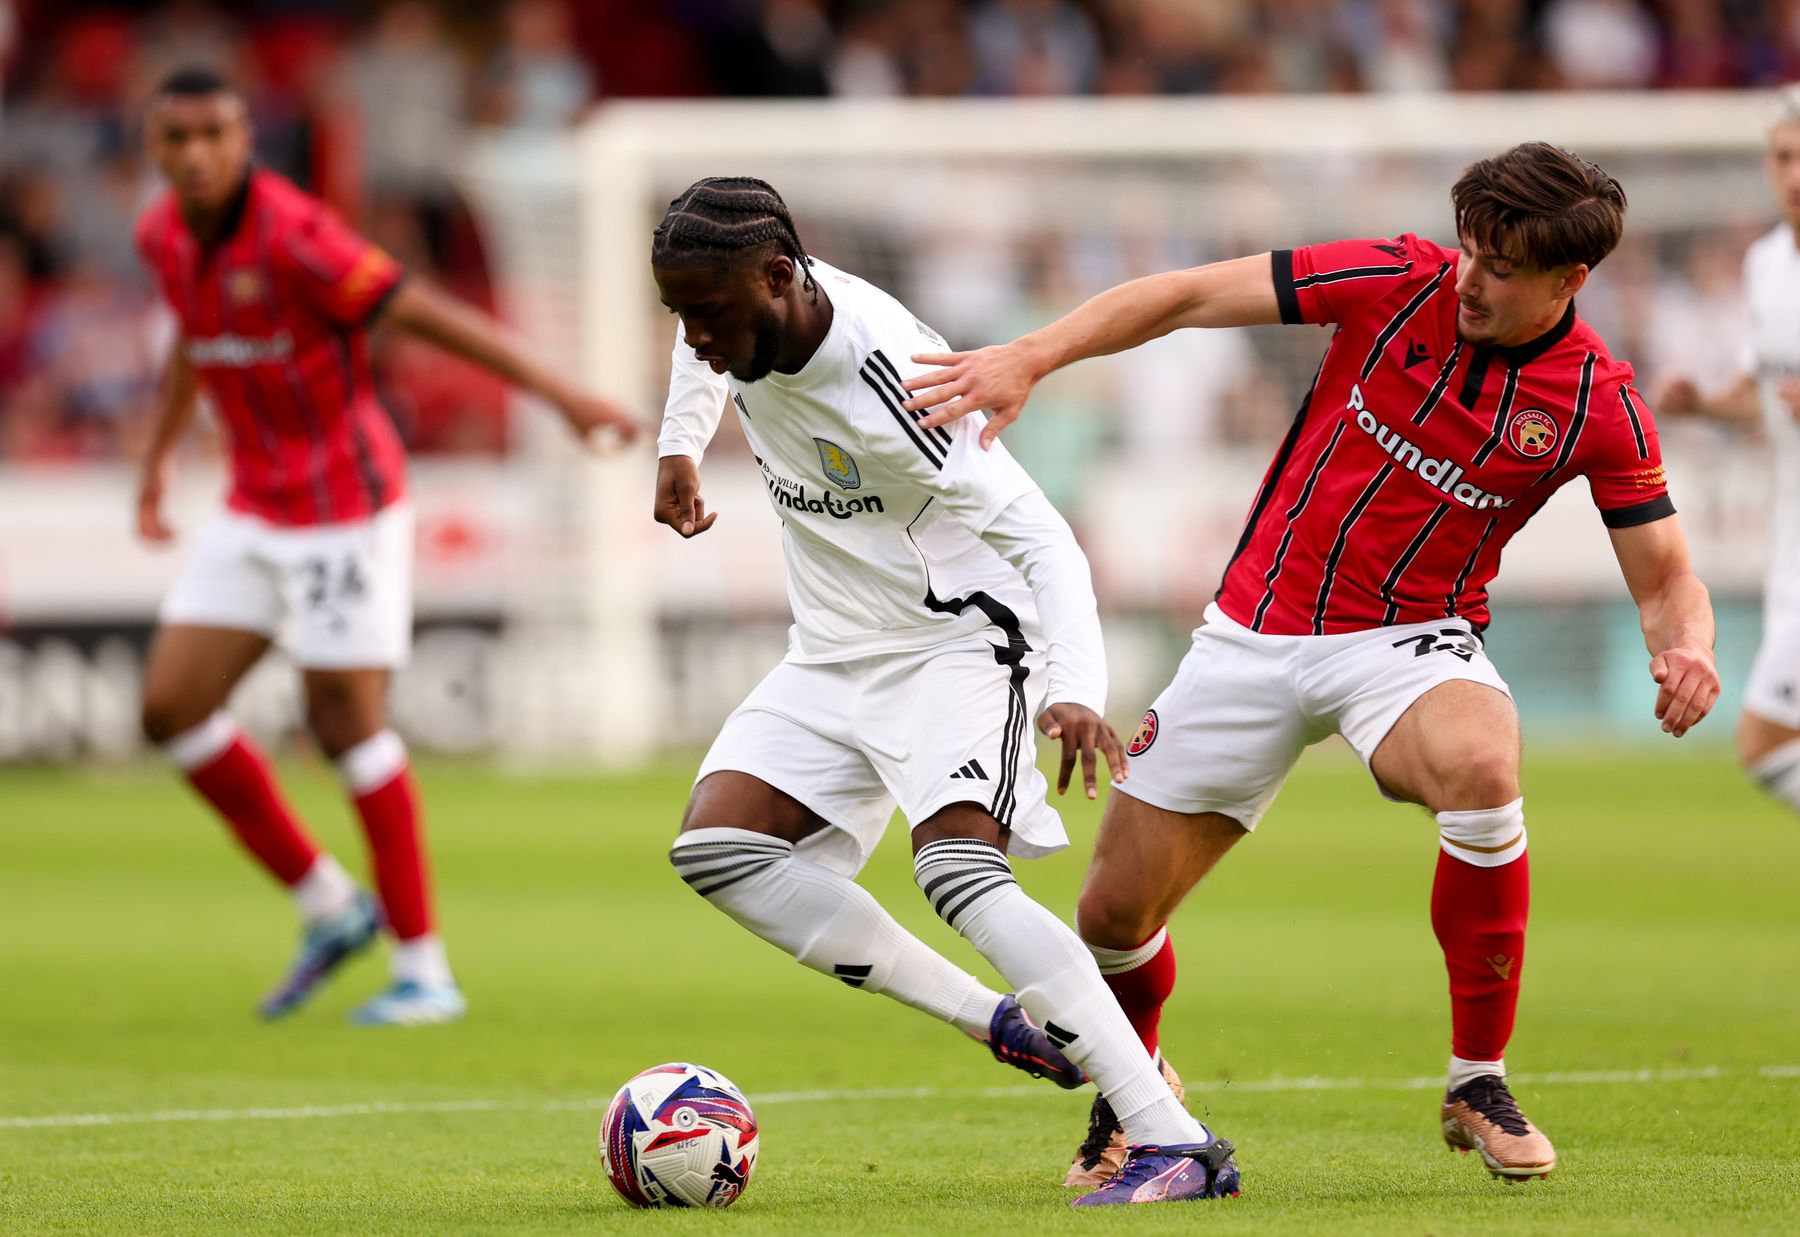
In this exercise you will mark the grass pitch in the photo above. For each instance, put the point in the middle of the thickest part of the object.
(1658, 1042)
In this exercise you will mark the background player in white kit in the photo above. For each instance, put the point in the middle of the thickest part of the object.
(939, 600)
(1768, 735)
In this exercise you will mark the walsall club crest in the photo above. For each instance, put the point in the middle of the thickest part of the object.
(839, 468)
(244, 286)
(1532, 433)
(1145, 736)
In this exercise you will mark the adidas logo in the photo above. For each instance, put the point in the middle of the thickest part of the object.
(972, 771)
(1056, 1035)
(855, 976)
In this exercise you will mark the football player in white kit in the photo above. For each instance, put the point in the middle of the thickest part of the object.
(1768, 736)
(940, 606)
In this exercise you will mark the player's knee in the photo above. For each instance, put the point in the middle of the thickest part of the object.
(1481, 778)
(1112, 919)
(336, 721)
(162, 717)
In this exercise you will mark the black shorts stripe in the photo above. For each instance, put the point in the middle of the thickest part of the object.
(1012, 656)
(871, 376)
(1637, 425)
(1500, 415)
(1287, 536)
(1337, 547)
(1412, 551)
(1659, 508)
(1462, 578)
(1577, 422)
(939, 434)
(1400, 319)
(1434, 396)
(1001, 809)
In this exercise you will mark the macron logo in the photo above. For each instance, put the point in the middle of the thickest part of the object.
(1443, 475)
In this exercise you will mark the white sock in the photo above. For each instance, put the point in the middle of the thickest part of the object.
(1118, 961)
(200, 745)
(827, 922)
(1487, 838)
(1463, 1072)
(1779, 772)
(324, 891)
(971, 886)
(373, 763)
(422, 961)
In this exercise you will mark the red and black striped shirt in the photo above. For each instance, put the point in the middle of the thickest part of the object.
(1415, 457)
(274, 314)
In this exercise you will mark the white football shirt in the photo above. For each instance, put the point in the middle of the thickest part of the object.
(883, 520)
(1772, 281)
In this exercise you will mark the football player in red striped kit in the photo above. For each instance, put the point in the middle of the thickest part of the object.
(275, 298)
(1459, 391)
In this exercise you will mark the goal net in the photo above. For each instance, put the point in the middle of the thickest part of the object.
(991, 218)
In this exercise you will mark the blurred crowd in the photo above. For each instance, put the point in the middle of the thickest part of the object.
(366, 102)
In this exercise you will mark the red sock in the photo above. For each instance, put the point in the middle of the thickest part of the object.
(1141, 982)
(241, 787)
(1479, 916)
(382, 786)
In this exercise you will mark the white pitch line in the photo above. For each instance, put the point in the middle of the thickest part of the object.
(408, 1108)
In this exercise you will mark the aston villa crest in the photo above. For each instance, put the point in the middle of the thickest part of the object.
(840, 468)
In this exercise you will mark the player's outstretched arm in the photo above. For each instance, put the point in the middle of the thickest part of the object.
(177, 393)
(432, 315)
(1239, 292)
(1738, 404)
(1676, 615)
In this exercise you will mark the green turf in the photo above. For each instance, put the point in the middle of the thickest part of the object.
(133, 942)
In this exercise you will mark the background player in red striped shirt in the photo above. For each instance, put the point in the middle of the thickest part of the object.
(275, 297)
(1458, 392)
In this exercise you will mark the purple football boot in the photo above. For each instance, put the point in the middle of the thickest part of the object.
(324, 946)
(1015, 1040)
(1180, 1172)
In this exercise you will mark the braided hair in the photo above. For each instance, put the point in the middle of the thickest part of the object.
(721, 215)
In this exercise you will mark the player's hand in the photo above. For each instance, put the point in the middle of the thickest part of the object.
(678, 501)
(1083, 732)
(1678, 397)
(1688, 681)
(998, 379)
(1790, 395)
(588, 415)
(150, 524)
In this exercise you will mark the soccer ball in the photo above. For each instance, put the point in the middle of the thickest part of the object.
(679, 1135)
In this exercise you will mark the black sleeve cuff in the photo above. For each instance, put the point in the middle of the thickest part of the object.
(379, 305)
(1659, 508)
(1281, 266)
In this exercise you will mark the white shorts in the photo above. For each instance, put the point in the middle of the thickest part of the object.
(336, 596)
(924, 730)
(1773, 692)
(1223, 736)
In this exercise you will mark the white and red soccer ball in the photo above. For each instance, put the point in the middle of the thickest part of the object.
(679, 1135)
